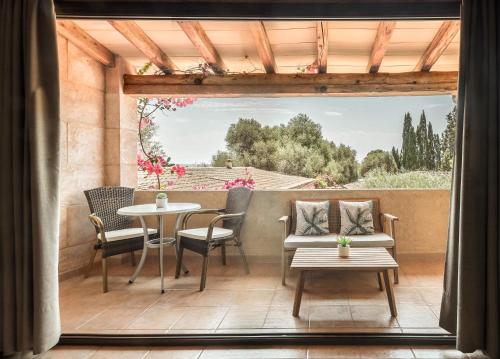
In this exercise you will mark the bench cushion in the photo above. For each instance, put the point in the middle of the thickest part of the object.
(370, 240)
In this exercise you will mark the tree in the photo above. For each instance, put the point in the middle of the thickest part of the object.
(421, 139)
(437, 148)
(448, 141)
(397, 157)
(430, 149)
(220, 158)
(378, 159)
(305, 131)
(242, 135)
(297, 148)
(409, 148)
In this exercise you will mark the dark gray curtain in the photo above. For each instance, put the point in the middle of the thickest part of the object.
(470, 305)
(29, 184)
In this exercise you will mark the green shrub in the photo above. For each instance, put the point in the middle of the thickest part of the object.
(414, 179)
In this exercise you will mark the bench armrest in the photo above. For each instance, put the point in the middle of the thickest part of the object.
(392, 219)
(286, 226)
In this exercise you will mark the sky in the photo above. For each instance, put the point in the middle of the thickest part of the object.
(191, 135)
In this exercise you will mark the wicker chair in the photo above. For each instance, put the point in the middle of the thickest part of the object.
(203, 240)
(115, 234)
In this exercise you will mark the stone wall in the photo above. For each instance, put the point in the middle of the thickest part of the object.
(82, 82)
(422, 228)
(97, 144)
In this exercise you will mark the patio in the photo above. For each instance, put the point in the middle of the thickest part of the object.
(98, 146)
(234, 302)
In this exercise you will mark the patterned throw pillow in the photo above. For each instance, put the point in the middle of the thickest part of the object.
(312, 218)
(356, 218)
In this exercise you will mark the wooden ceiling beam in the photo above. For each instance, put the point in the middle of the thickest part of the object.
(201, 41)
(322, 46)
(137, 37)
(263, 46)
(259, 85)
(438, 45)
(384, 33)
(81, 39)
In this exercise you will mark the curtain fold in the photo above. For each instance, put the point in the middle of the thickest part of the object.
(29, 181)
(471, 302)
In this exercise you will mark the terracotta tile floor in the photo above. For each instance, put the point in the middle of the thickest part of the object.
(236, 302)
(295, 352)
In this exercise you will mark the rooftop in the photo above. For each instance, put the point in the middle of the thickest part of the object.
(213, 178)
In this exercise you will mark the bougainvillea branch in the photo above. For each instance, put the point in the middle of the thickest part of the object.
(151, 157)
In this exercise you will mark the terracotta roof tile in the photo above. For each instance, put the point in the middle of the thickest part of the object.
(213, 178)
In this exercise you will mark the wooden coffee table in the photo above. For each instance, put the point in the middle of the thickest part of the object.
(376, 260)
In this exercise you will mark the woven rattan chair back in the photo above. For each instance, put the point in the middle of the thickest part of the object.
(105, 201)
(238, 200)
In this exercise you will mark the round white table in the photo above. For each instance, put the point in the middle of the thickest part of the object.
(143, 210)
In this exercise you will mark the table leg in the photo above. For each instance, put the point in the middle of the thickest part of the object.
(298, 294)
(161, 255)
(144, 252)
(390, 294)
(380, 280)
(177, 225)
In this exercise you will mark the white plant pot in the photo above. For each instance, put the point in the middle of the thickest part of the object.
(344, 251)
(161, 202)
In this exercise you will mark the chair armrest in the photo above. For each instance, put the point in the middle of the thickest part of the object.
(286, 226)
(99, 227)
(188, 215)
(221, 218)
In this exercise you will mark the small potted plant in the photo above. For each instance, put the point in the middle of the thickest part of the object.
(344, 243)
(161, 200)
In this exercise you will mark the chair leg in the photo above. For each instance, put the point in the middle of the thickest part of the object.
(204, 272)
(178, 264)
(91, 264)
(283, 267)
(132, 258)
(104, 275)
(243, 256)
(223, 253)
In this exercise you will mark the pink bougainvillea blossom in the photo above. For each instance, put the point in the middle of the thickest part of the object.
(179, 170)
(247, 182)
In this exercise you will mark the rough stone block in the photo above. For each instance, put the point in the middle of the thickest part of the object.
(79, 229)
(112, 146)
(81, 104)
(75, 181)
(85, 145)
(73, 258)
(84, 70)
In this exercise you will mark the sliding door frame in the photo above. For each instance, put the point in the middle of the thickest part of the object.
(259, 10)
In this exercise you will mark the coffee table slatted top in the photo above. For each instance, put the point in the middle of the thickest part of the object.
(328, 258)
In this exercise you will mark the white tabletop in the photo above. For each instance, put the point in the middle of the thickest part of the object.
(150, 209)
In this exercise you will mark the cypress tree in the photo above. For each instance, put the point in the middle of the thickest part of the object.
(409, 147)
(397, 157)
(437, 148)
(430, 150)
(422, 142)
(448, 141)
